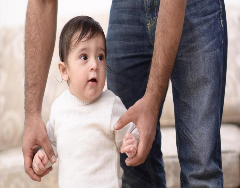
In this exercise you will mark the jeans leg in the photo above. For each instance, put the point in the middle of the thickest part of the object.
(129, 53)
(198, 80)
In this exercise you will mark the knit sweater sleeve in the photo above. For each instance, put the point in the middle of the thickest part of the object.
(118, 110)
(51, 137)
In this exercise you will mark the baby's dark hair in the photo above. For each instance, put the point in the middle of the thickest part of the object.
(84, 27)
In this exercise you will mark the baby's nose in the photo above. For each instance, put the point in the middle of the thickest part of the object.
(94, 65)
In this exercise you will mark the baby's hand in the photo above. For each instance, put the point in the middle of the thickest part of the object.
(39, 163)
(130, 145)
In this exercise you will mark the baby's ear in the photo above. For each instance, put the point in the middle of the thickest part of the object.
(63, 70)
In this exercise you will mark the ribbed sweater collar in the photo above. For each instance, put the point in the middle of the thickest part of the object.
(77, 101)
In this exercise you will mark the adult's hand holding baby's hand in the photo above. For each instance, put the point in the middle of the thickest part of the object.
(144, 115)
(40, 161)
(129, 146)
(35, 136)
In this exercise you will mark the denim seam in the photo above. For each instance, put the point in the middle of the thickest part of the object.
(150, 21)
(220, 3)
(155, 5)
(151, 171)
(181, 181)
(221, 85)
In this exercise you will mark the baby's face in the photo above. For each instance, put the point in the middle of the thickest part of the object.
(87, 68)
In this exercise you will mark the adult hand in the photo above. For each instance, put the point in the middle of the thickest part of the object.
(145, 116)
(35, 136)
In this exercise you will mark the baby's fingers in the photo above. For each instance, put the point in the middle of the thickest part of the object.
(38, 161)
(43, 157)
(37, 170)
(128, 149)
(127, 142)
(132, 153)
(128, 136)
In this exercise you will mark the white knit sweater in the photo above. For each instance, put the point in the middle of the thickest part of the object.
(83, 138)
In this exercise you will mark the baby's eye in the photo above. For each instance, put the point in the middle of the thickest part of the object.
(83, 57)
(101, 57)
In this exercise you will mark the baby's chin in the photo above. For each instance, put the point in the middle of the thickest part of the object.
(92, 96)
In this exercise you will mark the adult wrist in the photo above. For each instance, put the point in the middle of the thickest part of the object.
(32, 115)
(153, 102)
(155, 94)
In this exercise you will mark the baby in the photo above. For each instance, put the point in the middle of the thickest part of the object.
(81, 122)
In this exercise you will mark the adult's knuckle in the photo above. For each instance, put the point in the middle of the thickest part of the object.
(141, 159)
(32, 178)
(130, 110)
(41, 139)
(27, 171)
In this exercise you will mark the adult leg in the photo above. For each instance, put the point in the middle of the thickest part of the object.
(129, 51)
(198, 80)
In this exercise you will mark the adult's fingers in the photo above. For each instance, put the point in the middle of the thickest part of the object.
(47, 171)
(143, 150)
(28, 168)
(46, 145)
(137, 160)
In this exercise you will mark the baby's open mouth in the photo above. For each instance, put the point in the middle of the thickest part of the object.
(93, 80)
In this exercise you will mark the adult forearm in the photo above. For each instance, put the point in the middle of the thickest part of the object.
(167, 37)
(40, 33)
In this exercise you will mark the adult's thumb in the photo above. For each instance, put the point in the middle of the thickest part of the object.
(49, 151)
(123, 120)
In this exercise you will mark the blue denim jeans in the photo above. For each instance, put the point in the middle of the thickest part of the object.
(198, 82)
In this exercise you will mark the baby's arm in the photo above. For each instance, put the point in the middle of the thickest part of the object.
(130, 145)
